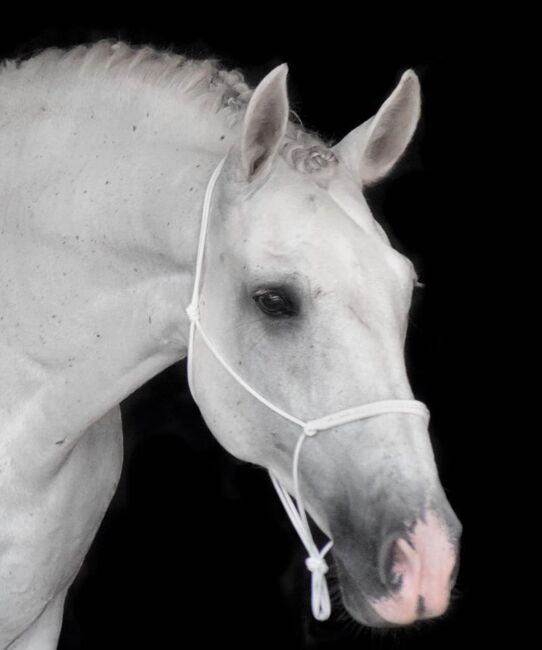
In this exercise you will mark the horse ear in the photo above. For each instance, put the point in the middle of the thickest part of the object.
(373, 148)
(264, 124)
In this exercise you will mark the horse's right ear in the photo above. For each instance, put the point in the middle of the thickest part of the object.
(264, 125)
(373, 148)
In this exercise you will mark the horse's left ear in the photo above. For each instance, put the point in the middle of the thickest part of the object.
(373, 148)
(264, 124)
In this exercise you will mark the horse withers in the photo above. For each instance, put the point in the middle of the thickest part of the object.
(108, 154)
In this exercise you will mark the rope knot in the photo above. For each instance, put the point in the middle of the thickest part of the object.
(309, 430)
(192, 312)
(316, 565)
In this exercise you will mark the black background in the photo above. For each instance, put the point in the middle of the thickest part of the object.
(196, 549)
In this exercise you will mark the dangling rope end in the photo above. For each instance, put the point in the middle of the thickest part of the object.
(323, 614)
(320, 602)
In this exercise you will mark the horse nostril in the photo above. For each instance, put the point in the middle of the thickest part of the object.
(388, 557)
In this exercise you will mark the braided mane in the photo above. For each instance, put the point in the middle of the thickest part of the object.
(216, 89)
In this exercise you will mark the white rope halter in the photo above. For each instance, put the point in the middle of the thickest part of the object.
(315, 562)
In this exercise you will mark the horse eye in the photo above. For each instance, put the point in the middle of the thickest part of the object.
(274, 302)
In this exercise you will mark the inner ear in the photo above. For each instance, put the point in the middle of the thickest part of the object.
(392, 129)
(373, 148)
(264, 124)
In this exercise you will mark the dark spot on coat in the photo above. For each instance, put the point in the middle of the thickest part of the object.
(60, 442)
(281, 447)
(134, 127)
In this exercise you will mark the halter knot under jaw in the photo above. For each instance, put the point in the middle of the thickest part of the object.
(320, 601)
(316, 564)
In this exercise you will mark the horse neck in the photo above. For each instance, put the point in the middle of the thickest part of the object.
(98, 254)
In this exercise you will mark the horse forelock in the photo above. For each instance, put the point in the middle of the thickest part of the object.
(216, 89)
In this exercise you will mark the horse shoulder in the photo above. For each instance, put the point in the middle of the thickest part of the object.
(49, 519)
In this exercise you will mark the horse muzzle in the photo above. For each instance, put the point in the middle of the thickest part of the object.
(410, 577)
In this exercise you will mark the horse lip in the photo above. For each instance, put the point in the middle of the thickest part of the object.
(363, 612)
(354, 600)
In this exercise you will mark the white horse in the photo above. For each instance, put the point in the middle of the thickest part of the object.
(107, 155)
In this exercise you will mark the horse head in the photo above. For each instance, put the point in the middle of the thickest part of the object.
(304, 295)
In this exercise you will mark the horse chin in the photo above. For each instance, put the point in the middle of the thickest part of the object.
(356, 603)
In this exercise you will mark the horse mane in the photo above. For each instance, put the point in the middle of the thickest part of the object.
(216, 89)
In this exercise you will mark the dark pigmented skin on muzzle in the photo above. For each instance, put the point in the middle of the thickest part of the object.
(362, 541)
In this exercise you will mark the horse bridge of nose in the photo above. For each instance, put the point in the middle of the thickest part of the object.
(316, 564)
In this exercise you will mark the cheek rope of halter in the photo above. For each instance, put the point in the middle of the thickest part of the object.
(320, 602)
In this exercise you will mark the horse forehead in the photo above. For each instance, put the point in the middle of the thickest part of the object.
(301, 192)
(299, 208)
(298, 221)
